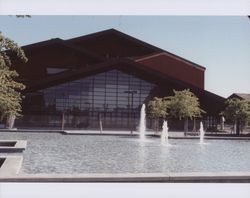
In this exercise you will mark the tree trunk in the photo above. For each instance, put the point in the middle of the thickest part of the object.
(194, 127)
(155, 125)
(237, 127)
(186, 126)
(10, 121)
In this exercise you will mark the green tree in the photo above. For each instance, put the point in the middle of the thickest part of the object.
(10, 97)
(158, 109)
(237, 111)
(184, 105)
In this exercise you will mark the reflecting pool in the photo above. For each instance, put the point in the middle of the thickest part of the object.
(57, 153)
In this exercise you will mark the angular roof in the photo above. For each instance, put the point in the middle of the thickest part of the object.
(96, 48)
(115, 34)
(102, 35)
(176, 67)
(136, 42)
(242, 96)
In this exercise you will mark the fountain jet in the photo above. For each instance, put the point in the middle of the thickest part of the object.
(202, 133)
(164, 134)
(142, 126)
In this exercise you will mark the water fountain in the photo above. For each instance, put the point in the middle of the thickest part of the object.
(142, 126)
(202, 133)
(164, 134)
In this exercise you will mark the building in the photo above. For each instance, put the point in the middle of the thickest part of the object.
(103, 76)
(241, 96)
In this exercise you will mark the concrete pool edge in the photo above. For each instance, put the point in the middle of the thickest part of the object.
(172, 134)
(194, 177)
(19, 146)
(11, 166)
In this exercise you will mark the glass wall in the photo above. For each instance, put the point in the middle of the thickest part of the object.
(113, 97)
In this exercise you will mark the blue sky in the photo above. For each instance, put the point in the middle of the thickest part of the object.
(219, 43)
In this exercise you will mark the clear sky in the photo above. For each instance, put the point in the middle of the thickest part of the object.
(219, 43)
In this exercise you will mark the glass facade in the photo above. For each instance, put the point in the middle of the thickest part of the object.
(113, 97)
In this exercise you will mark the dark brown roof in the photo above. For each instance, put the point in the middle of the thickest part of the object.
(86, 51)
(116, 33)
(172, 56)
(242, 96)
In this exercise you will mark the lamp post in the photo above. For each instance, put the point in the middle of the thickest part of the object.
(130, 107)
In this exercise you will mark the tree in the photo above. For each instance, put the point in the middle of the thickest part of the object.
(10, 97)
(183, 105)
(237, 111)
(158, 109)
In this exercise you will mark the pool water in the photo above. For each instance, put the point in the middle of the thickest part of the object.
(58, 153)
